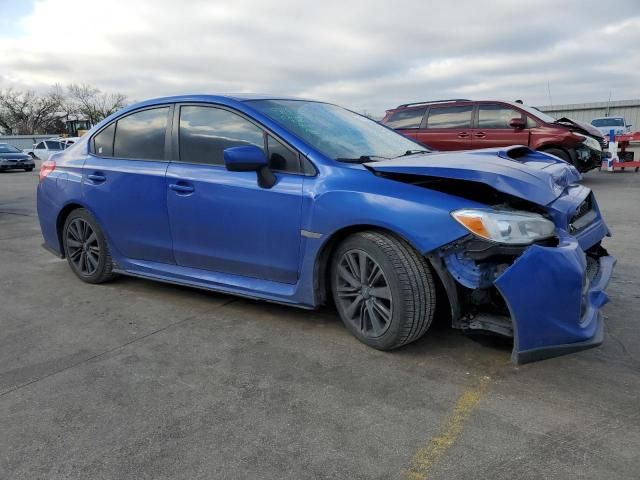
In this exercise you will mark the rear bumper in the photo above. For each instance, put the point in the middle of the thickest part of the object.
(555, 308)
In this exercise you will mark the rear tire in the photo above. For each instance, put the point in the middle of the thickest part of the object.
(383, 289)
(86, 248)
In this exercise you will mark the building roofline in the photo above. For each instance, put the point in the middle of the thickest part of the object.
(590, 106)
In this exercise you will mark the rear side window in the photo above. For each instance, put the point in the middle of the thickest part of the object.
(450, 117)
(51, 145)
(496, 116)
(205, 132)
(281, 158)
(409, 118)
(103, 142)
(141, 135)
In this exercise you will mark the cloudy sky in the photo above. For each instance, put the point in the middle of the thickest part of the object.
(365, 55)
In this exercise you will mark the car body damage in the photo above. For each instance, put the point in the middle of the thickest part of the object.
(546, 295)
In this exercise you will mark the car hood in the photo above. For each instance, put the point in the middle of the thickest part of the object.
(581, 127)
(517, 171)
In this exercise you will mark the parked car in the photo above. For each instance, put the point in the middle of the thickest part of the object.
(12, 158)
(606, 124)
(44, 149)
(461, 124)
(306, 203)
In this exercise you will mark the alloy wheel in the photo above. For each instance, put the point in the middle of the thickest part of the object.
(364, 293)
(82, 246)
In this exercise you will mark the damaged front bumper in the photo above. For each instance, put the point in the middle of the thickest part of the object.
(554, 299)
(548, 298)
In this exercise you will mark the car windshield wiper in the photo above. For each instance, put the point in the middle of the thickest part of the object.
(362, 159)
(413, 152)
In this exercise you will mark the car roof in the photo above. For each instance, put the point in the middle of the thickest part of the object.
(211, 97)
(453, 100)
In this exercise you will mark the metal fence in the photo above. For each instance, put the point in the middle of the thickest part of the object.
(24, 142)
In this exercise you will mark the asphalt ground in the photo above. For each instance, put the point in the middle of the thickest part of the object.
(136, 380)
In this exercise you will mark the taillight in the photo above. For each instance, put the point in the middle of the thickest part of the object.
(46, 168)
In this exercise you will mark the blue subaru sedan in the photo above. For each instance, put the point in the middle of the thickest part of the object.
(306, 203)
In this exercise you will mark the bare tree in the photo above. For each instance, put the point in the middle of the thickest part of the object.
(94, 104)
(29, 113)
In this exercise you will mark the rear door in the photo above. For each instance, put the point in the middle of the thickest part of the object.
(407, 121)
(493, 129)
(447, 127)
(124, 183)
(224, 221)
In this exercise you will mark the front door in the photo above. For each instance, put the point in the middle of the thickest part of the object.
(224, 221)
(493, 129)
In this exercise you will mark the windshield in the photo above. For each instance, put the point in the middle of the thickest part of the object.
(336, 132)
(537, 113)
(608, 122)
(6, 148)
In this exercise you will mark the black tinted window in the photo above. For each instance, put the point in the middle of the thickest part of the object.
(450, 117)
(103, 142)
(142, 135)
(40, 146)
(410, 118)
(281, 158)
(205, 132)
(51, 145)
(496, 116)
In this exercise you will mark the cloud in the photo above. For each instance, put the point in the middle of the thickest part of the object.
(365, 55)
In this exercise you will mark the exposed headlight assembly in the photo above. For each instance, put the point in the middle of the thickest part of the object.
(505, 226)
(590, 142)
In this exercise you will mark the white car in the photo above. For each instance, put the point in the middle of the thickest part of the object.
(606, 124)
(44, 149)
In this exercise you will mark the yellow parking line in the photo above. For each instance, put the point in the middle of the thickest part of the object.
(427, 456)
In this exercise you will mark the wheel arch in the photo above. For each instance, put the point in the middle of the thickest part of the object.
(570, 152)
(321, 277)
(62, 217)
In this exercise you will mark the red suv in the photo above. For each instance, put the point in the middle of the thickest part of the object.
(461, 124)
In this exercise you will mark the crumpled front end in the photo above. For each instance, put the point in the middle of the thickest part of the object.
(554, 296)
(547, 296)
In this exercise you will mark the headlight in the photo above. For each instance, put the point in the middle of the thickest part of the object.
(590, 142)
(505, 226)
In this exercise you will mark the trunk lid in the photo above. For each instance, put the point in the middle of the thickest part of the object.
(517, 171)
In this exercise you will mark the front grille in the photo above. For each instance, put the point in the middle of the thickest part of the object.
(583, 209)
(604, 144)
(585, 214)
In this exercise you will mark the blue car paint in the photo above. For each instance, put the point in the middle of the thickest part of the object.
(267, 257)
(541, 330)
(541, 184)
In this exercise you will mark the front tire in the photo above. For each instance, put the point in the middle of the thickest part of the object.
(28, 169)
(383, 289)
(86, 248)
(561, 154)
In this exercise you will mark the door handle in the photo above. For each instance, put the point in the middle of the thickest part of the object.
(182, 188)
(96, 177)
(480, 135)
(463, 135)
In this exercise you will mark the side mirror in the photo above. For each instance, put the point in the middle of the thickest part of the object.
(517, 122)
(250, 159)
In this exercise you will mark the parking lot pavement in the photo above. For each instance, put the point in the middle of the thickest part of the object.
(136, 379)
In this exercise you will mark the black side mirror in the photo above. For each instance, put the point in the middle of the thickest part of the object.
(250, 158)
(518, 122)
